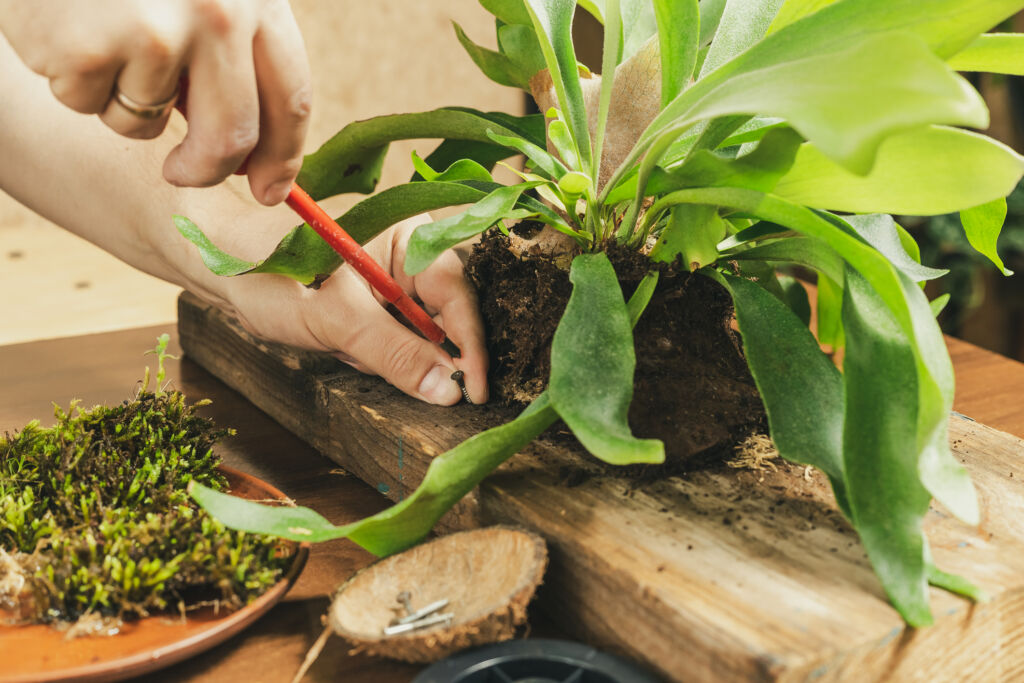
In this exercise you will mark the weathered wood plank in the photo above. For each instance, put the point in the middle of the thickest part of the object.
(243, 361)
(710, 576)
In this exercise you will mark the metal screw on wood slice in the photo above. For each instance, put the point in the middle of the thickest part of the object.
(460, 378)
(417, 619)
(422, 613)
(422, 623)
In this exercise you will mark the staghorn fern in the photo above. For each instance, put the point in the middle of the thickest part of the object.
(760, 132)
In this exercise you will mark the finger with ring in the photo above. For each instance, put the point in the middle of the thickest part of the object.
(146, 111)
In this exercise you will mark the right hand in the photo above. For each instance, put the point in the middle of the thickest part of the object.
(248, 77)
(348, 318)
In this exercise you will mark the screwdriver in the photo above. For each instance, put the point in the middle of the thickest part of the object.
(350, 250)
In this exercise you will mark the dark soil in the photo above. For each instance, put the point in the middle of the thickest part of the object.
(693, 389)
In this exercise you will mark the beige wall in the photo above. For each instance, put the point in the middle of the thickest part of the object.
(368, 58)
(372, 58)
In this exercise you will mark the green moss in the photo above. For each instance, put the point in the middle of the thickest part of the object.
(94, 511)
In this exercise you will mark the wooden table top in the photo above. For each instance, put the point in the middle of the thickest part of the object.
(104, 368)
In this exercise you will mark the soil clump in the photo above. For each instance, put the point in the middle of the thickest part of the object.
(692, 387)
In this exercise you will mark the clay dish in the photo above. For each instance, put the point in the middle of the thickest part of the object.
(142, 645)
(488, 575)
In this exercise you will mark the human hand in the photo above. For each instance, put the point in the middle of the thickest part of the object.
(249, 88)
(347, 317)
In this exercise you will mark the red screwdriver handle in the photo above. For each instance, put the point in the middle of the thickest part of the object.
(356, 256)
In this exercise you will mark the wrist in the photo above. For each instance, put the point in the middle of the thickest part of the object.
(268, 305)
(231, 222)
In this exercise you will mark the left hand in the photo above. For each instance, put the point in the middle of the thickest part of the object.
(347, 317)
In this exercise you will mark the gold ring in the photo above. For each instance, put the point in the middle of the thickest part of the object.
(146, 111)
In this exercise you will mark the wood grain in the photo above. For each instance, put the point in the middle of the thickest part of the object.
(989, 387)
(718, 575)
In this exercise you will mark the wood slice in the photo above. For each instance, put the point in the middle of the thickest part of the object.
(717, 575)
(488, 576)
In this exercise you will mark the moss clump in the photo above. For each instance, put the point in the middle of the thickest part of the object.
(95, 517)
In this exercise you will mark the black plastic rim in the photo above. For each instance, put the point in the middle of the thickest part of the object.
(534, 661)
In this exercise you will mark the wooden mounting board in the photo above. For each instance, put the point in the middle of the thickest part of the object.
(712, 576)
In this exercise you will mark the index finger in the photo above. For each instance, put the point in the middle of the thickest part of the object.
(223, 111)
(444, 289)
(283, 81)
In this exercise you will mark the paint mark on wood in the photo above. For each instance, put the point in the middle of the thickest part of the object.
(373, 413)
(401, 488)
(889, 637)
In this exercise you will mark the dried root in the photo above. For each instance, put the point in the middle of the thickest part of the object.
(756, 453)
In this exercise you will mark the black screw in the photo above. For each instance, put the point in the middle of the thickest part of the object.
(460, 378)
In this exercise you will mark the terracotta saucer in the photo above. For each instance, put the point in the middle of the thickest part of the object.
(39, 653)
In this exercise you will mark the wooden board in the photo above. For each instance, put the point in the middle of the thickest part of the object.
(713, 576)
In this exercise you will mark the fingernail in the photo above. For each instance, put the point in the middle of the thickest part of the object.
(437, 386)
(277, 192)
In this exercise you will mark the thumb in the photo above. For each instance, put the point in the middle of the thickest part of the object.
(381, 345)
(438, 386)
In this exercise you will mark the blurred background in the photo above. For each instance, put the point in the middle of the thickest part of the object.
(985, 307)
(395, 56)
